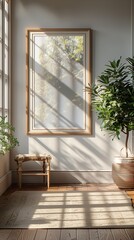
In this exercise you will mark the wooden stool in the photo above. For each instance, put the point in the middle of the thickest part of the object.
(45, 159)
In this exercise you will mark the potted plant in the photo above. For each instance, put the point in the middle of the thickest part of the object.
(113, 99)
(7, 139)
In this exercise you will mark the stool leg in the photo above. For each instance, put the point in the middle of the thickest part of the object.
(48, 174)
(20, 179)
(20, 173)
(44, 171)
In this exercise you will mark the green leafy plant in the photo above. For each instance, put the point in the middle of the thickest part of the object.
(113, 98)
(7, 139)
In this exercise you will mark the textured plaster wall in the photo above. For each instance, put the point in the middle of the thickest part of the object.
(111, 25)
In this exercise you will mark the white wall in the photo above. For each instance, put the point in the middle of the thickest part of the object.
(75, 158)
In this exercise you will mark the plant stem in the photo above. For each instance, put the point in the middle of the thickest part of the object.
(126, 142)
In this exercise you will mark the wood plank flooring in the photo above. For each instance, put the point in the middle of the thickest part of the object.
(69, 234)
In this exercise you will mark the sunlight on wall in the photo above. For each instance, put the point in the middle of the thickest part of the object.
(111, 39)
(78, 153)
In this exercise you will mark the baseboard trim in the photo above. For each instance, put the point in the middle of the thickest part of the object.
(5, 182)
(71, 177)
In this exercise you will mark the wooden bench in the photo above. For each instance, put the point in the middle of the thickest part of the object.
(45, 171)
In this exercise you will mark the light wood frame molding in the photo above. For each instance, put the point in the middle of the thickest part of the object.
(58, 68)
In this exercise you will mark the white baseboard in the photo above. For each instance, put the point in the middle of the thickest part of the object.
(5, 182)
(70, 177)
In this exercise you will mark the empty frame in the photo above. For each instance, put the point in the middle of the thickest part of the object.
(58, 70)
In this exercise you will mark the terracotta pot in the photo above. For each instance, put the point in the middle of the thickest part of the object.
(123, 172)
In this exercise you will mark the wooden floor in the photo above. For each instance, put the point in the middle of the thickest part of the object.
(69, 234)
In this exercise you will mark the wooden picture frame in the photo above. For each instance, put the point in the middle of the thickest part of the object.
(58, 70)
